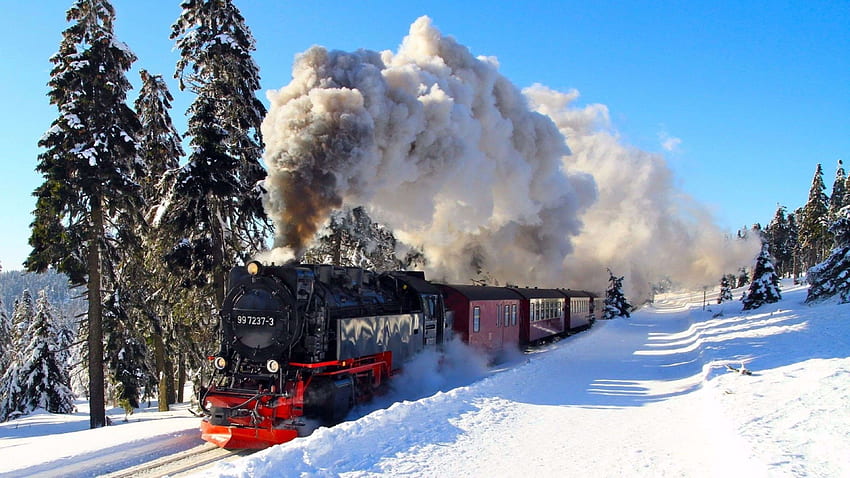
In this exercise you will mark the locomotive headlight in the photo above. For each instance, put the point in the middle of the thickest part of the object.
(254, 267)
(272, 366)
(220, 363)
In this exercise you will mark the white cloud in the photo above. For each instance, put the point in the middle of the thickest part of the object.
(669, 143)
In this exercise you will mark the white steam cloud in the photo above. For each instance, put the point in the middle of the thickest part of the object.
(438, 145)
(641, 226)
(457, 161)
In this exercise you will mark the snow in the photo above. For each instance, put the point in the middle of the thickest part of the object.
(649, 395)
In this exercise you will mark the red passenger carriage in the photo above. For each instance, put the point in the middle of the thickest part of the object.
(486, 318)
(542, 314)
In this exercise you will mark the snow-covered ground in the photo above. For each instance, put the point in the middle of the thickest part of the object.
(645, 396)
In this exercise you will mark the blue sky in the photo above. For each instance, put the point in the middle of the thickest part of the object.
(752, 94)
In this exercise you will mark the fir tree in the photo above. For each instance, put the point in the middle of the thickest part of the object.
(725, 290)
(217, 200)
(837, 200)
(5, 337)
(814, 236)
(764, 288)
(351, 238)
(156, 289)
(159, 141)
(39, 377)
(743, 277)
(22, 314)
(616, 304)
(89, 168)
(781, 239)
(832, 276)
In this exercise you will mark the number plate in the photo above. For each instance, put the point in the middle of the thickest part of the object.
(256, 320)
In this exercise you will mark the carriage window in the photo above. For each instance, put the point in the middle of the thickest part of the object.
(498, 315)
(476, 319)
(513, 314)
(507, 315)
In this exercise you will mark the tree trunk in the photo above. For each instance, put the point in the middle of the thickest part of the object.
(97, 414)
(181, 378)
(159, 358)
(169, 381)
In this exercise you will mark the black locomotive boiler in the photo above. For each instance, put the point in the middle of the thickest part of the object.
(308, 342)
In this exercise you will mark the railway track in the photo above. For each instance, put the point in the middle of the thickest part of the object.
(179, 464)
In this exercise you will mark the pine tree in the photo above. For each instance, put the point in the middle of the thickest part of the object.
(89, 167)
(725, 290)
(23, 312)
(41, 378)
(351, 238)
(814, 236)
(156, 289)
(616, 304)
(217, 199)
(797, 249)
(743, 277)
(781, 238)
(5, 337)
(764, 288)
(832, 276)
(837, 200)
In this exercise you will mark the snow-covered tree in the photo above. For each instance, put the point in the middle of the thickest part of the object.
(743, 277)
(216, 203)
(814, 236)
(837, 200)
(22, 315)
(126, 353)
(781, 238)
(5, 336)
(88, 164)
(616, 304)
(351, 238)
(725, 290)
(832, 276)
(157, 289)
(159, 142)
(764, 289)
(39, 377)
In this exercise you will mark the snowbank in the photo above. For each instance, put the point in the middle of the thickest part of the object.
(645, 396)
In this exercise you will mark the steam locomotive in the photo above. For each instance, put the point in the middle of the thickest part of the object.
(306, 343)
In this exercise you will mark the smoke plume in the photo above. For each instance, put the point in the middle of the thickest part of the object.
(641, 226)
(438, 144)
(458, 162)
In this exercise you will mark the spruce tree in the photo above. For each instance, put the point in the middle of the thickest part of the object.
(41, 378)
(88, 164)
(780, 237)
(764, 289)
(814, 236)
(743, 277)
(351, 238)
(832, 276)
(216, 203)
(616, 304)
(725, 290)
(157, 290)
(837, 199)
(22, 314)
(6, 349)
